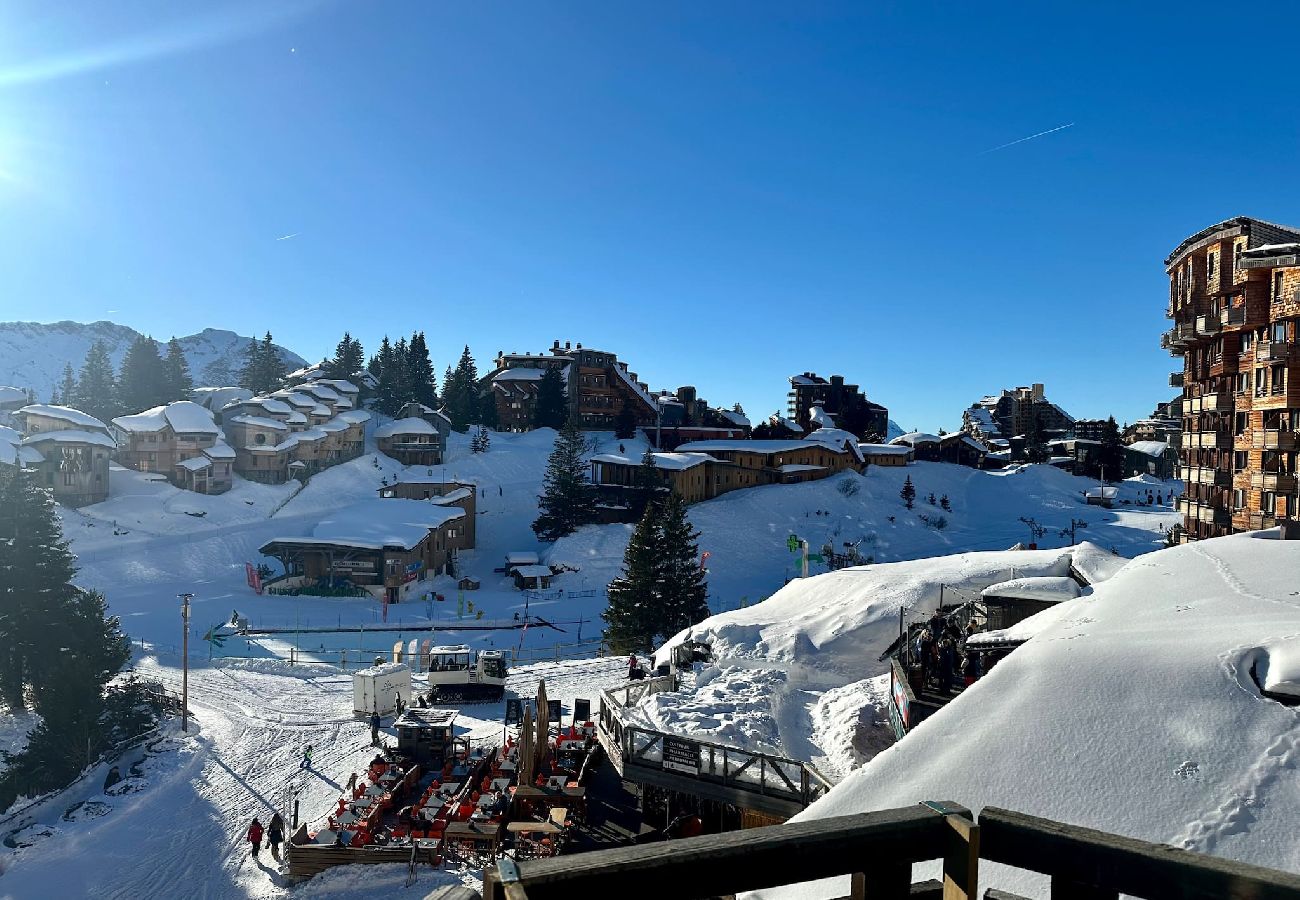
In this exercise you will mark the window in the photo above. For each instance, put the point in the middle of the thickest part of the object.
(1278, 379)
(1240, 459)
(1277, 286)
(1238, 499)
(1260, 381)
(1209, 264)
(1278, 333)
(259, 439)
(1241, 423)
(1243, 382)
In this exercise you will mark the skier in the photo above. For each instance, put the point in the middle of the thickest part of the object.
(255, 836)
(275, 835)
(374, 729)
(306, 757)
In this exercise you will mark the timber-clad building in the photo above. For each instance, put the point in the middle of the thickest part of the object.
(1234, 298)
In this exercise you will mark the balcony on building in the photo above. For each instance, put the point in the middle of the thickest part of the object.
(1206, 324)
(1176, 379)
(1279, 482)
(1274, 439)
(1233, 315)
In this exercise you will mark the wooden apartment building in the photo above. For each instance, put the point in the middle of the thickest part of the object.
(1234, 298)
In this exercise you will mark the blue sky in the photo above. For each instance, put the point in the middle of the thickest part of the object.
(723, 194)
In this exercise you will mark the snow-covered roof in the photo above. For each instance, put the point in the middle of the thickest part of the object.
(521, 558)
(1134, 711)
(1150, 448)
(341, 385)
(320, 391)
(12, 452)
(805, 380)
(836, 439)
(272, 405)
(1102, 492)
(636, 388)
(71, 436)
(532, 571)
(354, 416)
(11, 395)
(774, 445)
(332, 426)
(219, 450)
(523, 373)
(1271, 249)
(884, 450)
(1046, 587)
(295, 418)
(63, 413)
(380, 671)
(310, 435)
(215, 398)
(680, 461)
(453, 496)
(821, 417)
(409, 425)
(195, 463)
(320, 410)
(297, 398)
(740, 420)
(375, 524)
(799, 467)
(260, 422)
(912, 438)
(183, 416)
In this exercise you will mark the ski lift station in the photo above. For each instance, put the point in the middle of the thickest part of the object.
(374, 690)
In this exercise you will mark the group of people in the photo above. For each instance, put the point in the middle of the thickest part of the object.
(274, 834)
(940, 651)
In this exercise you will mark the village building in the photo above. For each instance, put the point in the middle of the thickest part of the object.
(886, 454)
(294, 433)
(215, 399)
(1088, 429)
(596, 383)
(74, 450)
(695, 476)
(1164, 424)
(12, 399)
(958, 448)
(1234, 304)
(845, 405)
(1155, 458)
(442, 493)
(410, 441)
(381, 546)
(435, 417)
(181, 441)
(1014, 413)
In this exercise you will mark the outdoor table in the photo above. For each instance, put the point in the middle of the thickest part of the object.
(507, 766)
(557, 782)
(450, 789)
(325, 837)
(500, 784)
(482, 836)
(374, 791)
(346, 818)
(573, 745)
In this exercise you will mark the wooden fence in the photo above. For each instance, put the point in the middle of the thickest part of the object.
(877, 850)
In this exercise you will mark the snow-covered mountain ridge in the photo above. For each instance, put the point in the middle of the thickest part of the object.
(33, 354)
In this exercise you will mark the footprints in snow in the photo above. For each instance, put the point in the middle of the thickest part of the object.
(1236, 814)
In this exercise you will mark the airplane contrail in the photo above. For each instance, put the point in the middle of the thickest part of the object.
(285, 237)
(1030, 138)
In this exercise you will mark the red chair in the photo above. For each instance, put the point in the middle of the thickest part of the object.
(360, 839)
(474, 797)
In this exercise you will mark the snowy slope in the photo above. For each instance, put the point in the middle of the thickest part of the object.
(1136, 713)
(33, 354)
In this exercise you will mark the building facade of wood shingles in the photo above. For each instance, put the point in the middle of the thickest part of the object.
(702, 470)
(181, 441)
(383, 546)
(596, 384)
(1234, 298)
(459, 494)
(70, 449)
(845, 402)
(412, 441)
(295, 433)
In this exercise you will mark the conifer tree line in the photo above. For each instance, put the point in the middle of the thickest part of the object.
(662, 588)
(59, 648)
(148, 378)
(263, 369)
(404, 373)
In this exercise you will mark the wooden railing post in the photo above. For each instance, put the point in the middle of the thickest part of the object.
(961, 860)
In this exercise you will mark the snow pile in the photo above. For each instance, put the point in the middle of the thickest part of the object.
(731, 706)
(1137, 713)
(1050, 588)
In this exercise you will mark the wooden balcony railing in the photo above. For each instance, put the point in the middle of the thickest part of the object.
(876, 851)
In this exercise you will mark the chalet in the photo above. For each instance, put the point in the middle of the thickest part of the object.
(695, 476)
(381, 546)
(411, 441)
(886, 454)
(74, 451)
(435, 417)
(442, 493)
(1151, 458)
(957, 448)
(295, 433)
(532, 578)
(180, 440)
(924, 446)
(1009, 602)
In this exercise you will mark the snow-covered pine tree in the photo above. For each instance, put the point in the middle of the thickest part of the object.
(633, 599)
(142, 383)
(565, 501)
(176, 372)
(65, 392)
(908, 493)
(250, 373)
(625, 423)
(484, 439)
(552, 409)
(682, 591)
(424, 380)
(97, 385)
(461, 394)
(386, 391)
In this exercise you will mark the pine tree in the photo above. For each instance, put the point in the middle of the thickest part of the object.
(347, 361)
(403, 387)
(176, 372)
(1035, 443)
(386, 390)
(460, 392)
(273, 370)
(682, 591)
(565, 502)
(488, 415)
(250, 374)
(424, 381)
(625, 423)
(65, 392)
(629, 614)
(1110, 456)
(142, 382)
(908, 493)
(97, 385)
(552, 409)
(480, 442)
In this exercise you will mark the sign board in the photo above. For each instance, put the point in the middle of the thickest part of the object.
(681, 755)
(514, 711)
(354, 564)
(582, 710)
(898, 703)
(553, 710)
(253, 577)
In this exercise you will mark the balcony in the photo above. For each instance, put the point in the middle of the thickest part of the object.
(1215, 403)
(1208, 325)
(1188, 508)
(1233, 315)
(1256, 521)
(1176, 379)
(1176, 339)
(1280, 482)
(1214, 515)
(1274, 350)
(1209, 440)
(1277, 440)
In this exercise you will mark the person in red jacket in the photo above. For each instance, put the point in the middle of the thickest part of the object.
(255, 836)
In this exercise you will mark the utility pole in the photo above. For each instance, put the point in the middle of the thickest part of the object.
(803, 546)
(185, 661)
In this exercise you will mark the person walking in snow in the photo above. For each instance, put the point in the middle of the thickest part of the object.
(255, 836)
(374, 729)
(275, 835)
(352, 782)
(306, 757)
